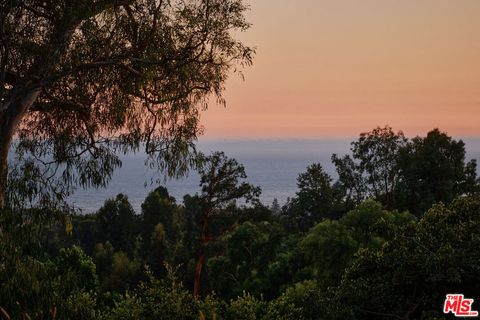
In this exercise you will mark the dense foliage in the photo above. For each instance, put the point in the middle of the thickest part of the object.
(340, 249)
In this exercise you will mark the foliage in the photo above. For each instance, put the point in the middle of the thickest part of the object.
(83, 82)
(367, 262)
(371, 225)
(411, 274)
(77, 269)
(246, 307)
(434, 170)
(158, 208)
(330, 245)
(315, 193)
(245, 262)
(26, 282)
(405, 174)
(125, 273)
(300, 301)
(33, 285)
(373, 171)
(116, 223)
(159, 228)
(222, 183)
(315, 200)
(80, 306)
(157, 299)
(103, 257)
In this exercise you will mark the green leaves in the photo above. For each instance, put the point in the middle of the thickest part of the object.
(330, 246)
(411, 273)
(405, 174)
(114, 76)
(374, 170)
(434, 170)
(221, 181)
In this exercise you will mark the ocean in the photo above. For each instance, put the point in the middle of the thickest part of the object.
(274, 165)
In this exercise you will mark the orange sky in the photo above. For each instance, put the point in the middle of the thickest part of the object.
(334, 68)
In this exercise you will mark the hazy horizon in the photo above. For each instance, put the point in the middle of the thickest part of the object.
(272, 164)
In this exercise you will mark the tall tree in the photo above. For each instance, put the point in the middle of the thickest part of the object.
(221, 184)
(315, 200)
(375, 164)
(350, 184)
(83, 80)
(158, 207)
(159, 227)
(117, 223)
(434, 169)
(315, 194)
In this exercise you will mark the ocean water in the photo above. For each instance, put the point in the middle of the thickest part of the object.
(274, 165)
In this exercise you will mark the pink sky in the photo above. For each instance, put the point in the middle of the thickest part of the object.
(334, 68)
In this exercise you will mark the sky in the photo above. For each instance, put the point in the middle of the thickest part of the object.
(335, 68)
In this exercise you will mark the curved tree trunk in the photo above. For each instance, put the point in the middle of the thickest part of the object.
(11, 114)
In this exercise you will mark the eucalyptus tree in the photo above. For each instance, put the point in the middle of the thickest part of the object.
(85, 80)
(373, 168)
(222, 183)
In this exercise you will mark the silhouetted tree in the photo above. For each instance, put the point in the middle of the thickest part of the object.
(117, 223)
(83, 80)
(275, 207)
(433, 169)
(221, 184)
(374, 170)
(350, 185)
(158, 208)
(315, 194)
(159, 227)
(316, 199)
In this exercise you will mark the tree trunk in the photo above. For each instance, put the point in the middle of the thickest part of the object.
(203, 245)
(10, 117)
(198, 274)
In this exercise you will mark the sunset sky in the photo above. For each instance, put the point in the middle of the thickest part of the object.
(334, 68)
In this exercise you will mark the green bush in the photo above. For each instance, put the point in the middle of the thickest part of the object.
(246, 307)
(164, 299)
(79, 305)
